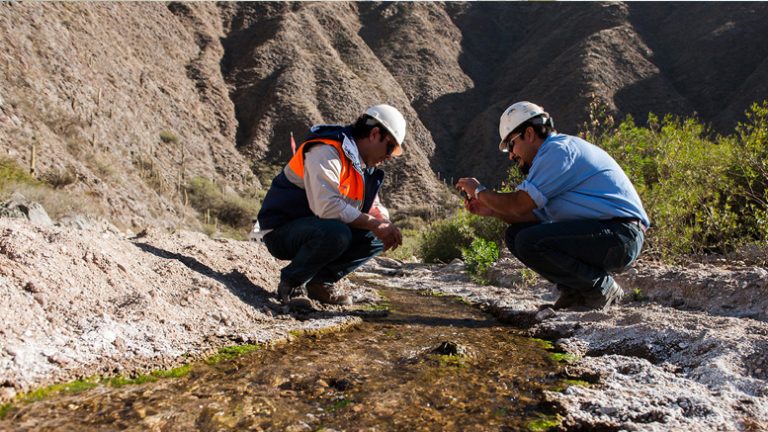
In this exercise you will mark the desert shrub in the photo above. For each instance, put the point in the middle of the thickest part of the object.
(749, 170)
(12, 173)
(168, 137)
(703, 192)
(409, 223)
(58, 178)
(149, 172)
(444, 240)
(59, 203)
(487, 228)
(410, 246)
(101, 163)
(479, 256)
(228, 208)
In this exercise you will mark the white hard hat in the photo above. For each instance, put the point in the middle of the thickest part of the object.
(517, 114)
(391, 120)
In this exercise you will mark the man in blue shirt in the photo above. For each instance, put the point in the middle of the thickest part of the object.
(574, 218)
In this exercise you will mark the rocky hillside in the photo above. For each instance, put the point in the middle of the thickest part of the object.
(134, 100)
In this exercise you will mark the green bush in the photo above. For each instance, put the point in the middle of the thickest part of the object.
(479, 256)
(409, 248)
(703, 192)
(443, 240)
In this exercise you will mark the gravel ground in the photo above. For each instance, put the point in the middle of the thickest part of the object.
(687, 350)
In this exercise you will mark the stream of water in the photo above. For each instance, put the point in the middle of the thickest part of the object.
(432, 363)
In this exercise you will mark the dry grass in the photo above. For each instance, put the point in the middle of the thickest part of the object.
(59, 178)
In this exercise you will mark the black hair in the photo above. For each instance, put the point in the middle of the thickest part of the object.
(542, 126)
(362, 127)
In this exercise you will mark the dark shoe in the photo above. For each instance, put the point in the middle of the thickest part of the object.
(568, 299)
(300, 304)
(286, 291)
(326, 293)
(603, 302)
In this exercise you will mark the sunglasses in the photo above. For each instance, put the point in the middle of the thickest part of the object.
(391, 145)
(510, 142)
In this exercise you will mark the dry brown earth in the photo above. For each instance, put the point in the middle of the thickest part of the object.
(92, 86)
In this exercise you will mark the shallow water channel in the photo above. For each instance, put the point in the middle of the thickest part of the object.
(432, 363)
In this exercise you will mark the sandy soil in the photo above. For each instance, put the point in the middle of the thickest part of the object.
(689, 349)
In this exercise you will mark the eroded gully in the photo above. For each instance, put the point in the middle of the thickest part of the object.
(431, 363)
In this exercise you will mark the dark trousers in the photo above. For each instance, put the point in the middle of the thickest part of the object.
(320, 250)
(576, 255)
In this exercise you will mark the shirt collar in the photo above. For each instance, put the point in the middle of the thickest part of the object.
(350, 150)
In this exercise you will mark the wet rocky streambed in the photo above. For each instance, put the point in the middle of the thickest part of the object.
(431, 363)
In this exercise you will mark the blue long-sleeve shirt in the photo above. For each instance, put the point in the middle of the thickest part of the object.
(571, 178)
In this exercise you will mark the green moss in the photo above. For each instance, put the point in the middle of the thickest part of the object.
(547, 345)
(70, 387)
(577, 382)
(4, 410)
(564, 384)
(178, 372)
(452, 361)
(544, 423)
(338, 404)
(380, 306)
(637, 295)
(462, 300)
(430, 293)
(501, 412)
(153, 376)
(229, 353)
(120, 381)
(564, 357)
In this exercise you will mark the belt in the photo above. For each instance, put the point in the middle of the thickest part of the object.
(633, 221)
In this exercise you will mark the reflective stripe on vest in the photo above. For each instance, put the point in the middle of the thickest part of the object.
(351, 183)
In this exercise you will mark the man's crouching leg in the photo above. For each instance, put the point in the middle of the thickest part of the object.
(323, 288)
(310, 244)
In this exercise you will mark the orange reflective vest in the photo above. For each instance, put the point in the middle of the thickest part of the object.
(287, 200)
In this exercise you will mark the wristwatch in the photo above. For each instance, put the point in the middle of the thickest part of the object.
(479, 189)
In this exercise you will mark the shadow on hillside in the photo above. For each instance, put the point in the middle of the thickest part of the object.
(235, 281)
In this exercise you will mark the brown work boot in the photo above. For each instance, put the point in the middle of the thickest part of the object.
(568, 299)
(324, 292)
(286, 291)
(612, 296)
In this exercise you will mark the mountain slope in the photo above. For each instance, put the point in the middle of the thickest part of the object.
(92, 87)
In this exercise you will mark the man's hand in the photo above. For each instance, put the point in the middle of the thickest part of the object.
(476, 207)
(468, 185)
(383, 229)
(389, 235)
